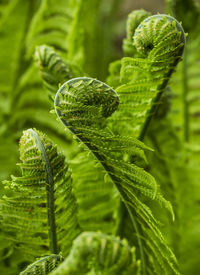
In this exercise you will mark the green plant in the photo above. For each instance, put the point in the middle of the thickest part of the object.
(113, 182)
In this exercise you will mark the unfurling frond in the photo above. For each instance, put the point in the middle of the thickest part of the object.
(54, 69)
(98, 253)
(84, 105)
(159, 41)
(39, 207)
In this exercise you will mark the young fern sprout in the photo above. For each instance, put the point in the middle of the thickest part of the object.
(165, 45)
(84, 106)
(159, 41)
(53, 69)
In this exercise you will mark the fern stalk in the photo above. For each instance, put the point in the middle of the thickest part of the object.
(167, 74)
(50, 193)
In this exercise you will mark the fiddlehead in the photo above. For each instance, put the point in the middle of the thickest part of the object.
(100, 253)
(43, 266)
(83, 104)
(160, 41)
(88, 101)
(39, 206)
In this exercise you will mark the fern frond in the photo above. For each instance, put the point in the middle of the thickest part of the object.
(99, 253)
(39, 207)
(83, 104)
(43, 266)
(159, 40)
(54, 70)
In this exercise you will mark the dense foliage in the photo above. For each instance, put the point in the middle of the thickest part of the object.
(123, 196)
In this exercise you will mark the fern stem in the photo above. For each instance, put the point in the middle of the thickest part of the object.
(185, 93)
(155, 105)
(50, 194)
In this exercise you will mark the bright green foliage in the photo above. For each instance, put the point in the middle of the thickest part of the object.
(159, 40)
(39, 207)
(43, 266)
(83, 104)
(97, 253)
(117, 180)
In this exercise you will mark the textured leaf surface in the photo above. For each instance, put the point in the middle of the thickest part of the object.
(39, 207)
(83, 104)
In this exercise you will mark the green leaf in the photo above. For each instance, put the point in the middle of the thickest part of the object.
(83, 104)
(39, 207)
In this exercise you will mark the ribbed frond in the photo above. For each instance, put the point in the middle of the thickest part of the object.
(43, 266)
(39, 207)
(99, 254)
(54, 70)
(97, 200)
(83, 104)
(159, 40)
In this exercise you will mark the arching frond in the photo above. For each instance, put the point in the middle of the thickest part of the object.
(160, 41)
(54, 70)
(39, 209)
(83, 104)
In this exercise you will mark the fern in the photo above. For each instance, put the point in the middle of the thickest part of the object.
(146, 77)
(98, 214)
(43, 266)
(40, 208)
(83, 104)
(99, 253)
(54, 70)
(114, 193)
